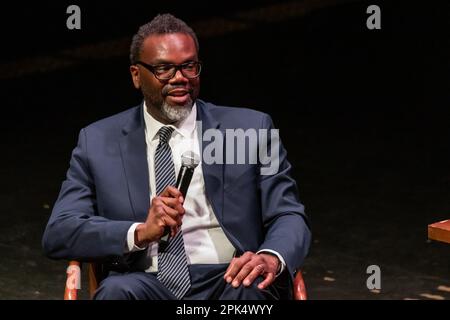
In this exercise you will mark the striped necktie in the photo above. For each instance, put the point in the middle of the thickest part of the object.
(173, 269)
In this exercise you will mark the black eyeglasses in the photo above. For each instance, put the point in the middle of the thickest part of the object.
(164, 72)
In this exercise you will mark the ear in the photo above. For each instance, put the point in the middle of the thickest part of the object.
(135, 76)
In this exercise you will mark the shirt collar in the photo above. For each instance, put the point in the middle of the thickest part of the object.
(184, 127)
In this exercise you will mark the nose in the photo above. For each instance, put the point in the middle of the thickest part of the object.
(179, 78)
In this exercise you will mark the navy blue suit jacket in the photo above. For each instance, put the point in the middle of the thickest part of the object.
(107, 189)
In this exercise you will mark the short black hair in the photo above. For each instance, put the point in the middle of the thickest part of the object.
(161, 24)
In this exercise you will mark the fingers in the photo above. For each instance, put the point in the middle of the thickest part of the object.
(173, 203)
(173, 198)
(171, 206)
(269, 278)
(172, 213)
(167, 222)
(235, 267)
(256, 272)
(250, 271)
(166, 216)
(172, 192)
(245, 269)
(166, 210)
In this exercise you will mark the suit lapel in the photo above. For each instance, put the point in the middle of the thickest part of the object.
(213, 174)
(134, 157)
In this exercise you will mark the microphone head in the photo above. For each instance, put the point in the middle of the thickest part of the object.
(190, 159)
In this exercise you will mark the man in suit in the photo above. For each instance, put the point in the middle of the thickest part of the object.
(237, 233)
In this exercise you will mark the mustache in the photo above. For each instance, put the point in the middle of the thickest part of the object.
(166, 89)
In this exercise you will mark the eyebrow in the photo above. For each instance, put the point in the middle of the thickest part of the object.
(162, 61)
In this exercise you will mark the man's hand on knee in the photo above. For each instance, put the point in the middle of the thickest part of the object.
(245, 269)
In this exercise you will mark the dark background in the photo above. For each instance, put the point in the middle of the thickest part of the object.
(363, 115)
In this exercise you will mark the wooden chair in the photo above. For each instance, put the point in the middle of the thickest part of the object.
(439, 231)
(73, 282)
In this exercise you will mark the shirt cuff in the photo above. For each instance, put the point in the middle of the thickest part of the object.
(282, 262)
(131, 246)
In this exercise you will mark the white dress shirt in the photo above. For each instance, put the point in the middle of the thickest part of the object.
(204, 240)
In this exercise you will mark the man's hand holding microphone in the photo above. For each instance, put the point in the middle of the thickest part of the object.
(166, 212)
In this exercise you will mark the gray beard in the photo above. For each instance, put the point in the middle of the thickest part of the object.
(176, 113)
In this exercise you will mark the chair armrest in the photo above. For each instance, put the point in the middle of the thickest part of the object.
(299, 287)
(73, 282)
(440, 231)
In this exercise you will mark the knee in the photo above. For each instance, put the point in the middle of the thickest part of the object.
(114, 288)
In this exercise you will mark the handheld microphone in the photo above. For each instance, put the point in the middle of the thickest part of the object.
(189, 161)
